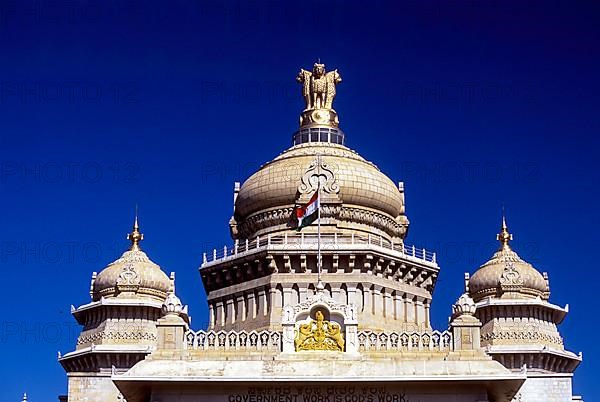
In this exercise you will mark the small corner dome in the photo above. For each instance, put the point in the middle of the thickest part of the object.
(506, 275)
(132, 275)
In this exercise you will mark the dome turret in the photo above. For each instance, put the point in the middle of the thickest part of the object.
(132, 274)
(519, 324)
(506, 275)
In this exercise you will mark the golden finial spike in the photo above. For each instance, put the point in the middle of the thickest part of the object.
(135, 236)
(504, 236)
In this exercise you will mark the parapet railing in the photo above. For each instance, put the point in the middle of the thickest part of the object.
(368, 341)
(234, 340)
(329, 241)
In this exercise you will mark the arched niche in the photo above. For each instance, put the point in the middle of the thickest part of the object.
(298, 319)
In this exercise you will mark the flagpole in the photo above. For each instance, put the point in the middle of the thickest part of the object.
(319, 283)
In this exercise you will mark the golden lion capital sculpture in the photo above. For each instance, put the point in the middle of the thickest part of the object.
(318, 90)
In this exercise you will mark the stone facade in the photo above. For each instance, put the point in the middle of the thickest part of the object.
(547, 388)
(338, 311)
(92, 387)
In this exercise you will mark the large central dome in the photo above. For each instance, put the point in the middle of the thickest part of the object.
(356, 194)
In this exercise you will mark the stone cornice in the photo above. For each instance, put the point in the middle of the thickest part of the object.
(558, 313)
(417, 276)
(279, 218)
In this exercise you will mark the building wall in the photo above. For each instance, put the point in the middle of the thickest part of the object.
(311, 392)
(546, 388)
(92, 387)
(259, 304)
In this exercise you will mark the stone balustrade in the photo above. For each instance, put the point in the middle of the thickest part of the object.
(307, 241)
(369, 341)
(234, 340)
(271, 341)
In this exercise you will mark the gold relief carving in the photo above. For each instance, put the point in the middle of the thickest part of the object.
(319, 334)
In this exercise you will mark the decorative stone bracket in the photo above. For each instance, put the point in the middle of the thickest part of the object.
(322, 320)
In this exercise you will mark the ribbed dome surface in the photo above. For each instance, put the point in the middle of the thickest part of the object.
(361, 183)
(133, 274)
(506, 274)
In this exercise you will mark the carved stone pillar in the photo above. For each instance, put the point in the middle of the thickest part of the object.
(211, 316)
(352, 293)
(303, 292)
(171, 328)
(230, 311)
(220, 315)
(251, 306)
(387, 304)
(398, 307)
(409, 309)
(171, 333)
(466, 328)
(427, 314)
(419, 312)
(287, 295)
(336, 293)
(262, 303)
(368, 300)
(240, 308)
(288, 322)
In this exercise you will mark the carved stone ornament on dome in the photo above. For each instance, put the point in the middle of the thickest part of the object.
(281, 216)
(319, 174)
(128, 280)
(511, 277)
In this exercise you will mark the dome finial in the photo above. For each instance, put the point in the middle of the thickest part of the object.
(135, 236)
(318, 91)
(504, 236)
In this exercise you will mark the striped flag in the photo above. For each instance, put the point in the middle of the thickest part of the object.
(309, 212)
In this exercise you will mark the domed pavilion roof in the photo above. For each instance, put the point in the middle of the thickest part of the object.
(132, 275)
(355, 196)
(355, 186)
(506, 275)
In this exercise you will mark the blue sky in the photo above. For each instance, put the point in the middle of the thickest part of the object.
(103, 105)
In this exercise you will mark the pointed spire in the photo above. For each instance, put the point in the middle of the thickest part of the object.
(135, 236)
(504, 237)
(24, 397)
